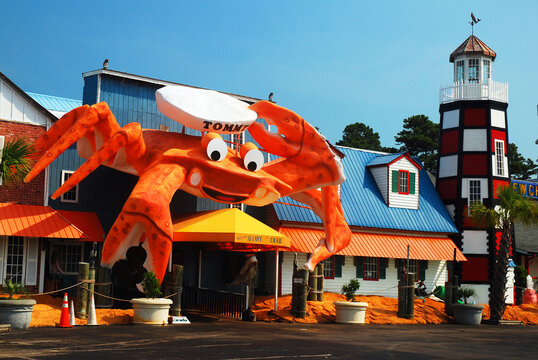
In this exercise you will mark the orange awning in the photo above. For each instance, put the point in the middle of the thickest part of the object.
(378, 245)
(43, 221)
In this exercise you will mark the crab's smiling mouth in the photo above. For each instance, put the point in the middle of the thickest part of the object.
(217, 195)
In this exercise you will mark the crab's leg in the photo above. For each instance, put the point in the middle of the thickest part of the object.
(129, 137)
(327, 206)
(310, 162)
(146, 211)
(79, 122)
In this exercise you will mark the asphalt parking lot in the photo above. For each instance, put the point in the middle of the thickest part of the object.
(228, 339)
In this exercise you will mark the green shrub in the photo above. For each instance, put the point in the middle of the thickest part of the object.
(465, 294)
(350, 289)
(13, 288)
(151, 285)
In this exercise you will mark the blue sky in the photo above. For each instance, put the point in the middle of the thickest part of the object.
(332, 62)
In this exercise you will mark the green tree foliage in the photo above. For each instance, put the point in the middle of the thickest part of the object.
(14, 159)
(512, 206)
(361, 136)
(420, 137)
(520, 168)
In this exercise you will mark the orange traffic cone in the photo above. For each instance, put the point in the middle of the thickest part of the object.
(64, 318)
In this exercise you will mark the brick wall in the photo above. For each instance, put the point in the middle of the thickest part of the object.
(33, 192)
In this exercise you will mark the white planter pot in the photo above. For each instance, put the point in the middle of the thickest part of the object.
(467, 314)
(151, 311)
(17, 313)
(348, 312)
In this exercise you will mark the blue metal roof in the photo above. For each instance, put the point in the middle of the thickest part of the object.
(384, 159)
(55, 103)
(364, 205)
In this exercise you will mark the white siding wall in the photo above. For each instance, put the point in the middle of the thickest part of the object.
(409, 201)
(436, 274)
(448, 166)
(498, 118)
(475, 242)
(451, 119)
(14, 107)
(380, 176)
(474, 140)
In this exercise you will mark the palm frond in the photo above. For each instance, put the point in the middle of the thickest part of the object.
(14, 159)
(480, 213)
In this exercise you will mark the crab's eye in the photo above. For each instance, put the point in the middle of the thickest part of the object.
(215, 147)
(252, 157)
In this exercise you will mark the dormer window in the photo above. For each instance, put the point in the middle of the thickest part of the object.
(397, 179)
(404, 182)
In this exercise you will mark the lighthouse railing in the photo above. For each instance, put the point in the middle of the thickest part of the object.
(490, 90)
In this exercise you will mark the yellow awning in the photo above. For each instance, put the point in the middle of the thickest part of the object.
(227, 226)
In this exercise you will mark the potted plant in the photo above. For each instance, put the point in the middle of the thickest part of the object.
(16, 312)
(467, 314)
(350, 311)
(153, 309)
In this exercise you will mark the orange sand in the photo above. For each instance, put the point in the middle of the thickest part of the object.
(47, 312)
(381, 310)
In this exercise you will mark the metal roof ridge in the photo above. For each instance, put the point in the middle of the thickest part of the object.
(363, 150)
(156, 81)
(52, 96)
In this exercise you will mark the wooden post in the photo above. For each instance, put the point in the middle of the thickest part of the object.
(300, 284)
(82, 290)
(91, 287)
(103, 286)
(406, 296)
(321, 281)
(176, 287)
(450, 287)
(313, 283)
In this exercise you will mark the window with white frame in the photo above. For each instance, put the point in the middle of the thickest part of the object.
(70, 196)
(474, 65)
(371, 268)
(474, 192)
(403, 187)
(499, 157)
(14, 266)
(486, 70)
(460, 70)
(69, 255)
(328, 268)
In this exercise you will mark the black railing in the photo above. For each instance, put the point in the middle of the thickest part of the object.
(213, 301)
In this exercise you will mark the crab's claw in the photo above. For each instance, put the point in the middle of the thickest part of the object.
(145, 217)
(327, 206)
(310, 162)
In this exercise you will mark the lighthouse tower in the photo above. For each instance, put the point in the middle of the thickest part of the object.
(473, 155)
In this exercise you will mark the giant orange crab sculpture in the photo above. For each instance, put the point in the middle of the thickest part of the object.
(306, 169)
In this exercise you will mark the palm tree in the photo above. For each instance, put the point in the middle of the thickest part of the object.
(512, 206)
(14, 159)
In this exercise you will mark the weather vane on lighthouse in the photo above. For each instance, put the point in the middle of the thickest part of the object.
(473, 21)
